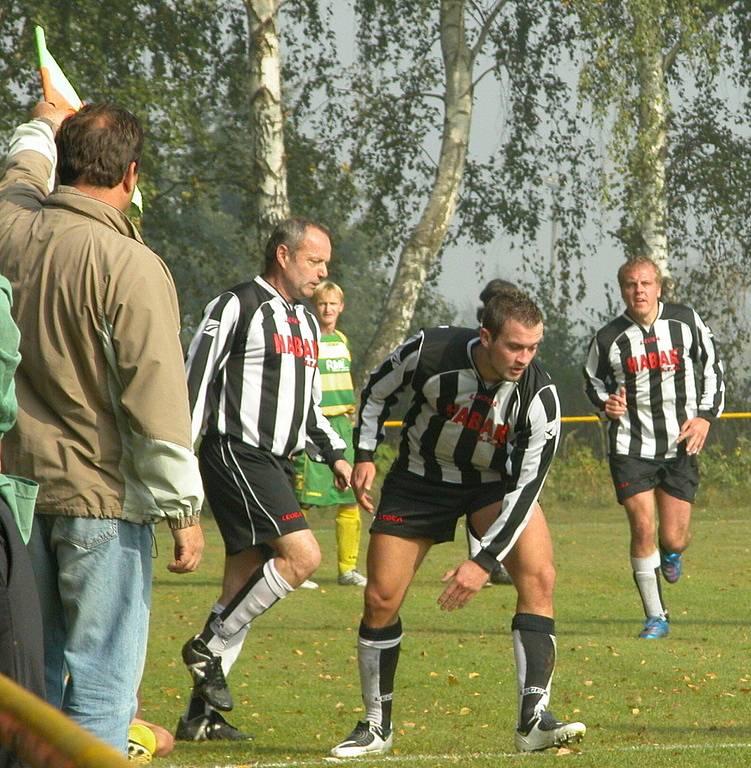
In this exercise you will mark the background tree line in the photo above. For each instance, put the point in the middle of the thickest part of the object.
(635, 113)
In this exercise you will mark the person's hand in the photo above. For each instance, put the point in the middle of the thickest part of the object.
(464, 583)
(615, 405)
(53, 111)
(342, 473)
(362, 479)
(188, 549)
(694, 432)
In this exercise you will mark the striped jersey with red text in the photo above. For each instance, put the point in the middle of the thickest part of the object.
(253, 373)
(671, 372)
(458, 428)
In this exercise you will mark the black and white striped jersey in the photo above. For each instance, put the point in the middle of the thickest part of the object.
(253, 373)
(671, 372)
(458, 429)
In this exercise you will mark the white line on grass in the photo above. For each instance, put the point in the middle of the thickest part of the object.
(455, 758)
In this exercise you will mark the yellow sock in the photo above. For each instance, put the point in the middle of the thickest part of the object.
(347, 536)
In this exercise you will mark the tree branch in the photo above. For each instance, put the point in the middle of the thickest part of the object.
(480, 76)
(668, 60)
(485, 28)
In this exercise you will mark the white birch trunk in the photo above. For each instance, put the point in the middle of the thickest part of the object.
(647, 197)
(424, 243)
(268, 171)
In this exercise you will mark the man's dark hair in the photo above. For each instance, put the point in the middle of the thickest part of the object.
(97, 144)
(289, 232)
(509, 306)
(496, 287)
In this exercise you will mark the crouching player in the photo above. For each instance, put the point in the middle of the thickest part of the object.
(477, 441)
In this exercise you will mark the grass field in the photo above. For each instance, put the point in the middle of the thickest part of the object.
(684, 701)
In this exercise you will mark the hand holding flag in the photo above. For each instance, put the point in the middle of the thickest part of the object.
(60, 93)
(55, 86)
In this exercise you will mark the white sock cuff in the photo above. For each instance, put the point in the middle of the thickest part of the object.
(648, 563)
(277, 584)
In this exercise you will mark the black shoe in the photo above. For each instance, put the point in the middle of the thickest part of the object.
(211, 727)
(208, 678)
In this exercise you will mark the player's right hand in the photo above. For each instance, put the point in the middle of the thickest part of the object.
(615, 405)
(362, 479)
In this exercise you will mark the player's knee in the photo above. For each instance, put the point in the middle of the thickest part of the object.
(380, 606)
(642, 531)
(304, 562)
(545, 578)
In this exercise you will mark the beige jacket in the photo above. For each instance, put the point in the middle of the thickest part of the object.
(103, 420)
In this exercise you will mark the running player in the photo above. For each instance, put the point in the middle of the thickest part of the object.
(254, 391)
(655, 373)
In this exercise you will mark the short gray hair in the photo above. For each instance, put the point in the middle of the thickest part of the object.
(289, 232)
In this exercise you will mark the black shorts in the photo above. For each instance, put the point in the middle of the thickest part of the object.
(414, 508)
(251, 492)
(678, 477)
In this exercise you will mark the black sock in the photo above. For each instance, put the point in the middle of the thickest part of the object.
(378, 655)
(534, 650)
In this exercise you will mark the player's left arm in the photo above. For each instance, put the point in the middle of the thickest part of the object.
(531, 453)
(712, 400)
(530, 457)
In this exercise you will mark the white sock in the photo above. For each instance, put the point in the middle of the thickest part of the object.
(647, 578)
(263, 589)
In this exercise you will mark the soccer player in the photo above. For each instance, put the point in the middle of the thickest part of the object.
(496, 287)
(477, 440)
(254, 390)
(315, 483)
(655, 373)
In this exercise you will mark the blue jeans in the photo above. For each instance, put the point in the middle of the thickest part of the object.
(94, 583)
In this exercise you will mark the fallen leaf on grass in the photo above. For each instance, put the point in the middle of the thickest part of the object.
(452, 679)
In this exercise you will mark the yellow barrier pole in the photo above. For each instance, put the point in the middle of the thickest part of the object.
(43, 736)
(583, 419)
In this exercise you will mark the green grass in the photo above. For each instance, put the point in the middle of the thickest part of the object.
(684, 701)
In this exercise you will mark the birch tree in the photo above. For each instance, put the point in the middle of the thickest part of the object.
(268, 164)
(646, 53)
(406, 128)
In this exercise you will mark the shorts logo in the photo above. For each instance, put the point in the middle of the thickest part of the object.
(621, 486)
(291, 516)
(398, 519)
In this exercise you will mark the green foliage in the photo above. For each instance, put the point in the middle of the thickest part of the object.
(578, 477)
(725, 474)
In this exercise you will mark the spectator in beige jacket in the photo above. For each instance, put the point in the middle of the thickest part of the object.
(103, 421)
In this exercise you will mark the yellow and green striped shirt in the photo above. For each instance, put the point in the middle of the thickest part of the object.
(334, 365)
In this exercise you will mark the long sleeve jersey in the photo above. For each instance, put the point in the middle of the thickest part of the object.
(253, 373)
(458, 429)
(671, 372)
